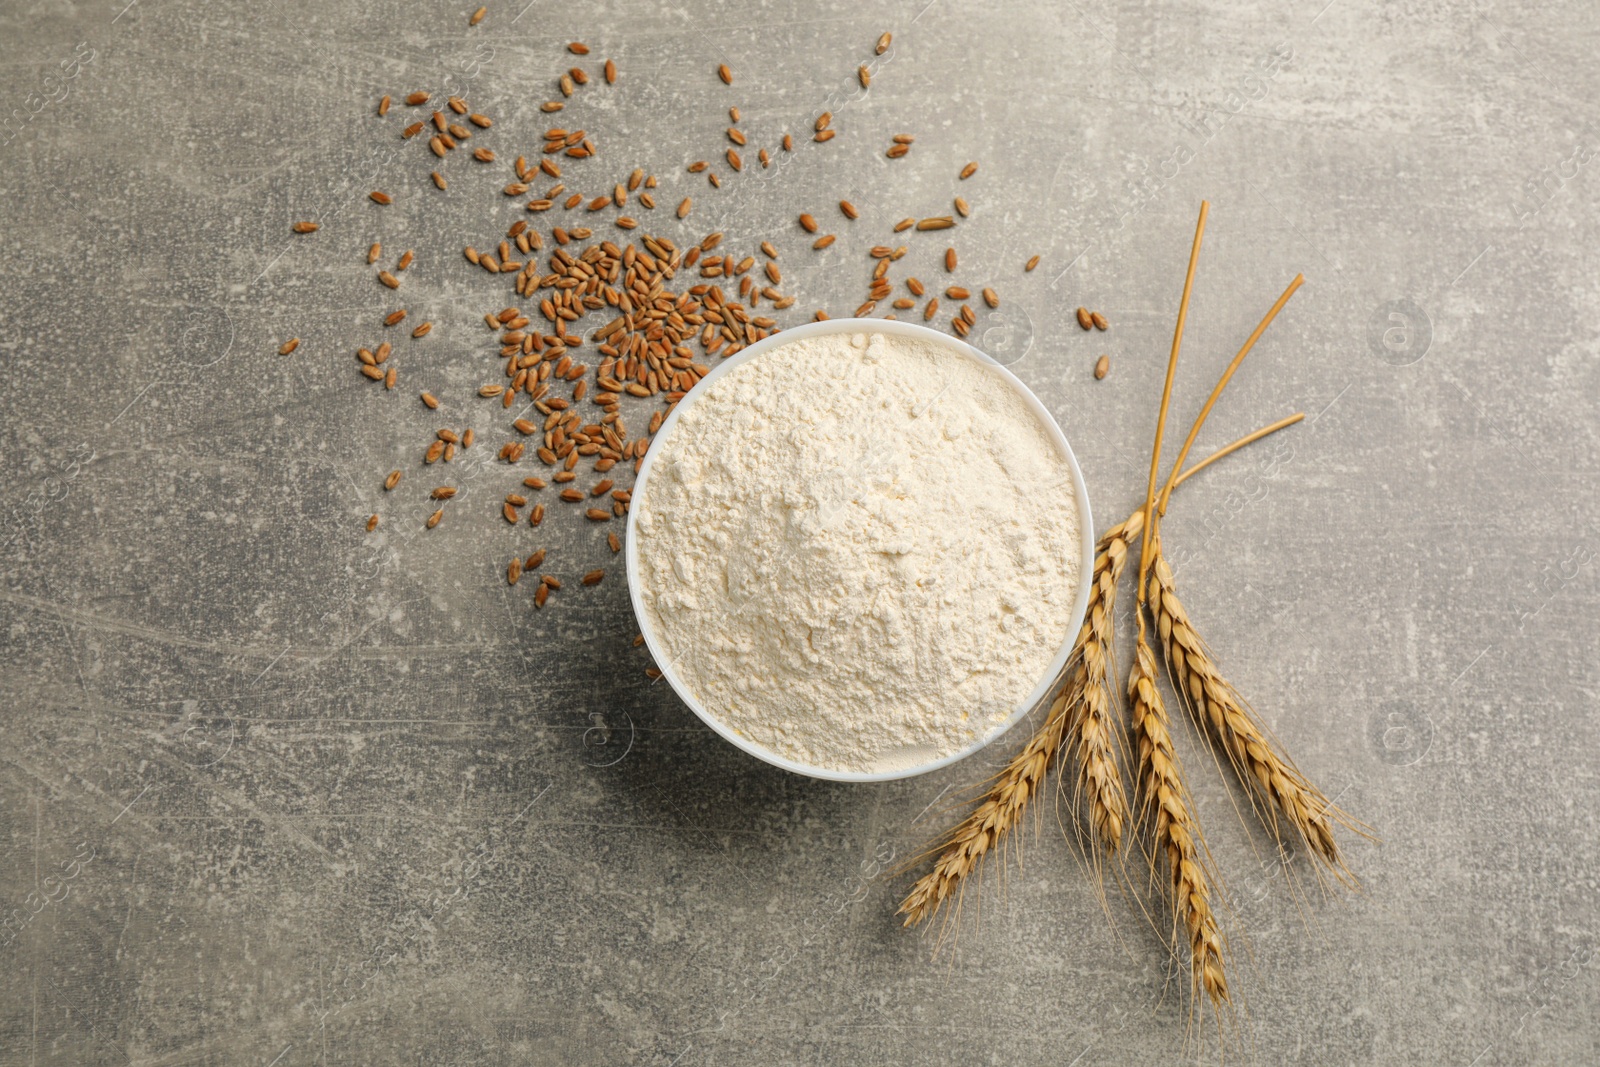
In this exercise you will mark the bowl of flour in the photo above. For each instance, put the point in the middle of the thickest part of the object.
(859, 549)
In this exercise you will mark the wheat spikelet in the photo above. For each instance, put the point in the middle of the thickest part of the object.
(1175, 831)
(1217, 707)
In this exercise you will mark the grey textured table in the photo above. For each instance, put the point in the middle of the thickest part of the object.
(277, 791)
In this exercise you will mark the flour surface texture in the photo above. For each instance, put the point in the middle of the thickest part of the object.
(859, 552)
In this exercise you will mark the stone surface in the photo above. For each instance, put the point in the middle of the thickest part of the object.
(278, 791)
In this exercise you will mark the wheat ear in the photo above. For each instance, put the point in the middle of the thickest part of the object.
(1091, 731)
(1175, 832)
(966, 845)
(1267, 771)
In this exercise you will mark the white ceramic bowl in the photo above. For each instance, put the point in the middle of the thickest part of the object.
(663, 442)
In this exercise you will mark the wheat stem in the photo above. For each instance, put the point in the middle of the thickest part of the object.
(1222, 382)
(1228, 450)
(1166, 388)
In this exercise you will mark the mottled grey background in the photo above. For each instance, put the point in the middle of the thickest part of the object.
(275, 791)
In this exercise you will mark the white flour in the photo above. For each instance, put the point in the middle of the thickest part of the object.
(859, 553)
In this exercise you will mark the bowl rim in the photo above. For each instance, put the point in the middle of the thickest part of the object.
(1080, 605)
